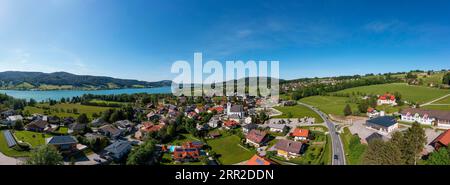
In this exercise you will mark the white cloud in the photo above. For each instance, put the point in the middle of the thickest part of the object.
(383, 26)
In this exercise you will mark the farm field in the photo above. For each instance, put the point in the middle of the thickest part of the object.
(65, 109)
(409, 93)
(329, 104)
(443, 101)
(229, 150)
(298, 111)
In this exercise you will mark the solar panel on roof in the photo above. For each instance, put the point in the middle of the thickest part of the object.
(11, 141)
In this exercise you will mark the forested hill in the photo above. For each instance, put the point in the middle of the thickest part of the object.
(64, 80)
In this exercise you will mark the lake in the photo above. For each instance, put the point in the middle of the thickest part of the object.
(58, 94)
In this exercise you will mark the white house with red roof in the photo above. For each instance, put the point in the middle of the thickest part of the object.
(387, 99)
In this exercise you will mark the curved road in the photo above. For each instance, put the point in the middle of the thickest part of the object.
(336, 143)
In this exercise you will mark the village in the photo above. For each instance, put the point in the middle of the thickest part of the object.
(233, 130)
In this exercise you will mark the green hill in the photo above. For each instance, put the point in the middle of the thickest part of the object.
(410, 93)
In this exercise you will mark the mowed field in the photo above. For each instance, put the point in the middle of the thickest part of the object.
(65, 109)
(443, 101)
(329, 104)
(409, 93)
(229, 149)
(298, 111)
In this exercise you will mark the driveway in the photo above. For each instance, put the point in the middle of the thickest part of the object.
(5, 160)
(87, 160)
(431, 134)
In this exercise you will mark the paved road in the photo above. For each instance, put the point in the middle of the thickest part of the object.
(336, 143)
(5, 160)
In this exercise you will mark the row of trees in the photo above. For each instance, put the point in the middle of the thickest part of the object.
(322, 89)
(401, 149)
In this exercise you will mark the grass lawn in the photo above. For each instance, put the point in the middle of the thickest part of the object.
(434, 79)
(318, 153)
(65, 109)
(108, 103)
(182, 138)
(409, 93)
(298, 111)
(437, 107)
(230, 150)
(329, 104)
(326, 156)
(10, 151)
(390, 109)
(443, 101)
(63, 130)
(33, 138)
(316, 128)
(353, 151)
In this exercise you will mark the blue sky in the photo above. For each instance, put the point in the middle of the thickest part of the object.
(140, 39)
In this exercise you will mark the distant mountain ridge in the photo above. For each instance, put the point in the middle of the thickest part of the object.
(64, 80)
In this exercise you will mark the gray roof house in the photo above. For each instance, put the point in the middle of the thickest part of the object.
(63, 143)
(110, 131)
(118, 149)
(277, 127)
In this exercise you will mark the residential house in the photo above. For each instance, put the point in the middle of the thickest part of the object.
(7, 113)
(124, 125)
(218, 109)
(258, 160)
(11, 120)
(214, 122)
(54, 120)
(37, 126)
(287, 148)
(118, 150)
(188, 152)
(300, 134)
(386, 99)
(110, 131)
(247, 128)
(147, 127)
(273, 127)
(76, 128)
(98, 122)
(442, 140)
(230, 124)
(438, 118)
(376, 136)
(214, 135)
(372, 113)
(256, 138)
(65, 144)
(384, 124)
(67, 121)
(201, 127)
